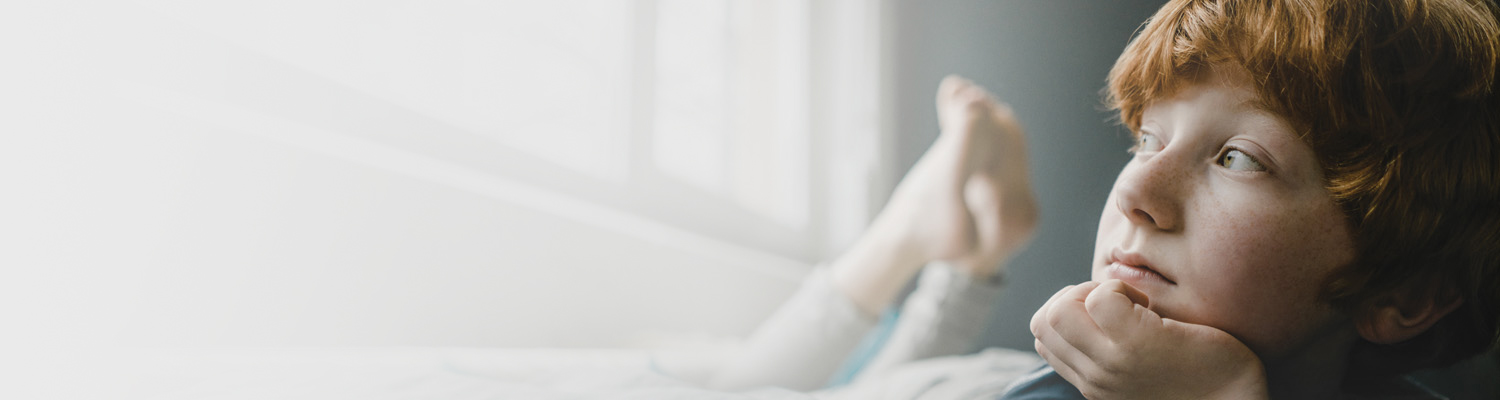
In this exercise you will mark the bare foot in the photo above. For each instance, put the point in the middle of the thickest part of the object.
(997, 190)
(968, 200)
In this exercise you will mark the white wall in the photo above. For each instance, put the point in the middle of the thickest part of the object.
(163, 187)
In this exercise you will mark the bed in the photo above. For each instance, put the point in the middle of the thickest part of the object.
(354, 373)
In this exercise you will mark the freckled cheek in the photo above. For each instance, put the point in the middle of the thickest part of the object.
(1256, 254)
(1262, 272)
(1283, 251)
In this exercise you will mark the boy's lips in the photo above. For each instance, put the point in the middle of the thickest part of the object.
(1133, 267)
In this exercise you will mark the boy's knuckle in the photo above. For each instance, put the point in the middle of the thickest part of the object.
(1056, 316)
(1093, 303)
(1100, 383)
(1112, 362)
(1108, 381)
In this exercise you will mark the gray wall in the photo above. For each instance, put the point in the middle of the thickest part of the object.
(1049, 60)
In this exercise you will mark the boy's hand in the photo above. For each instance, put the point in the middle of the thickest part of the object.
(1103, 340)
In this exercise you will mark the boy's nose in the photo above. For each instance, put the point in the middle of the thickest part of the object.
(1146, 193)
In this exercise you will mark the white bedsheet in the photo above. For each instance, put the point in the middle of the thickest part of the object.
(349, 373)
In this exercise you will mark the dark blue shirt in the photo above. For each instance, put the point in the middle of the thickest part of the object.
(1042, 384)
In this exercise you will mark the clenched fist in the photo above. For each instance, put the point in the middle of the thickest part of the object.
(1104, 340)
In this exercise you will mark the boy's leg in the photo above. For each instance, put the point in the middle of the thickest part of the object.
(948, 311)
(811, 335)
(944, 316)
(801, 345)
(967, 201)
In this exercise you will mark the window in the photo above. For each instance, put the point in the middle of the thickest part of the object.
(749, 124)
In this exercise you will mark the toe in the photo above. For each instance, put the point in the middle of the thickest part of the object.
(950, 87)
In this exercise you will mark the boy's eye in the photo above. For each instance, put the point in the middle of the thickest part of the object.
(1146, 143)
(1239, 161)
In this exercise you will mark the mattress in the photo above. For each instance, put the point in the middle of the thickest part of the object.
(349, 373)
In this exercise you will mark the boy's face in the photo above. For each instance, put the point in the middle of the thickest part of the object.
(1226, 206)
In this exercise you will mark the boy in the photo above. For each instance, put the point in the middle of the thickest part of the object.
(1311, 211)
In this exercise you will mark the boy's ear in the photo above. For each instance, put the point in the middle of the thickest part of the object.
(1400, 316)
